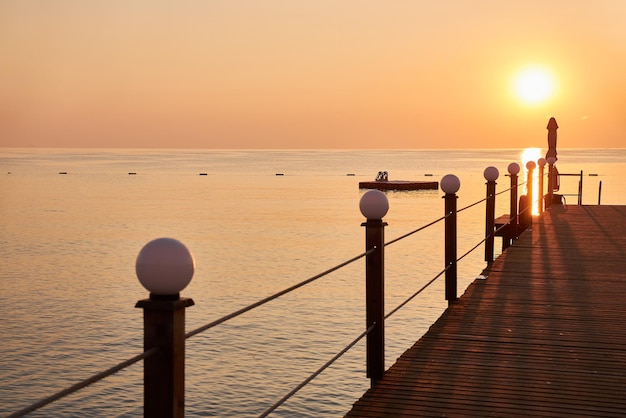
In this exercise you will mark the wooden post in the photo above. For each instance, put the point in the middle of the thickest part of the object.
(375, 298)
(530, 166)
(580, 189)
(513, 206)
(490, 216)
(450, 247)
(540, 197)
(164, 267)
(512, 229)
(450, 184)
(164, 371)
(489, 221)
(551, 181)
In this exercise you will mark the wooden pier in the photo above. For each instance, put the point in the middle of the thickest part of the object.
(543, 335)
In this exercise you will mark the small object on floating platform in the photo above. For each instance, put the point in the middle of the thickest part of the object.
(382, 182)
(428, 175)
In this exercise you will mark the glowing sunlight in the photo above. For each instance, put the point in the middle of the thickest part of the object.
(534, 85)
(532, 154)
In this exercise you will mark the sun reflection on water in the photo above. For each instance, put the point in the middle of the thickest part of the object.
(532, 154)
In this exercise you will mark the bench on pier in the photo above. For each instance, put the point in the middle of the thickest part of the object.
(508, 231)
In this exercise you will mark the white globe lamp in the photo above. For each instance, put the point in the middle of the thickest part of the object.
(491, 173)
(164, 267)
(450, 184)
(514, 169)
(374, 204)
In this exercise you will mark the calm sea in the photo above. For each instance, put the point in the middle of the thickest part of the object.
(69, 243)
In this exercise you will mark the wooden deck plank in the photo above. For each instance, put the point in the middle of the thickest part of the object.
(542, 335)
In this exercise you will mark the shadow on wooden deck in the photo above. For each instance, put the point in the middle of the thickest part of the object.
(543, 335)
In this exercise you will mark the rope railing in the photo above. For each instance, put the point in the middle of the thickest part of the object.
(366, 332)
(442, 272)
(86, 382)
(468, 252)
(375, 250)
(114, 369)
(122, 365)
(488, 197)
(496, 230)
(318, 371)
(506, 190)
(82, 384)
(471, 205)
(402, 304)
(275, 295)
(416, 230)
(420, 290)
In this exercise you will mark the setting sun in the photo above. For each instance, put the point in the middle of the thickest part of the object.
(534, 85)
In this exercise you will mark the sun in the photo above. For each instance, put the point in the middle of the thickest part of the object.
(534, 85)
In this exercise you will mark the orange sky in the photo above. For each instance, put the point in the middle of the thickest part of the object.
(308, 74)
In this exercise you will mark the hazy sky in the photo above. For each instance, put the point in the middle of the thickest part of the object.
(310, 74)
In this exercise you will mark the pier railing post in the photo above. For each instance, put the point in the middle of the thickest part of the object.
(512, 229)
(164, 267)
(528, 214)
(540, 197)
(450, 184)
(580, 189)
(374, 205)
(551, 180)
(491, 175)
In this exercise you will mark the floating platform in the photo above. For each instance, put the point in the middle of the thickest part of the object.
(399, 185)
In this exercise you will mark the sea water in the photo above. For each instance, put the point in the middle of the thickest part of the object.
(256, 222)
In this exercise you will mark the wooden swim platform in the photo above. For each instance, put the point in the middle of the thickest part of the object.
(399, 185)
(543, 335)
